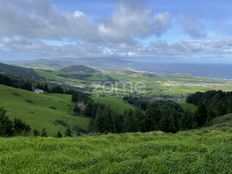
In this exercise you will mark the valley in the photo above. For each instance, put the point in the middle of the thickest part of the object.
(115, 87)
(122, 82)
(126, 150)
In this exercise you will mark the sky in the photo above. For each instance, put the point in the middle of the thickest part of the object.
(178, 30)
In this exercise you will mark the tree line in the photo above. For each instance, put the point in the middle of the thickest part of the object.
(211, 104)
(10, 128)
(167, 116)
(29, 85)
(85, 105)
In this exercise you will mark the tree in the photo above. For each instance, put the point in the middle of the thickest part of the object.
(21, 128)
(44, 133)
(167, 121)
(9, 128)
(76, 109)
(107, 120)
(68, 132)
(201, 115)
(39, 86)
(187, 121)
(27, 86)
(217, 103)
(139, 101)
(133, 120)
(118, 123)
(36, 132)
(129, 124)
(80, 97)
(100, 121)
(45, 88)
(151, 119)
(91, 108)
(6, 125)
(59, 134)
(57, 89)
(5, 80)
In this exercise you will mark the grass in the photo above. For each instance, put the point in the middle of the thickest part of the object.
(199, 151)
(188, 107)
(41, 110)
(224, 121)
(116, 103)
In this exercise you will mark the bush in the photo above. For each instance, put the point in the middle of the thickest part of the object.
(9, 128)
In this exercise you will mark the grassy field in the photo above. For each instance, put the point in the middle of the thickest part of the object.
(199, 151)
(52, 112)
(116, 103)
(160, 84)
(188, 107)
(222, 122)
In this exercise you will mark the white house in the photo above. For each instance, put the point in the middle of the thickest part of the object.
(38, 91)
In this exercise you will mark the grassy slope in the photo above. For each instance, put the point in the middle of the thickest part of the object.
(199, 151)
(35, 109)
(222, 122)
(188, 107)
(19, 71)
(115, 103)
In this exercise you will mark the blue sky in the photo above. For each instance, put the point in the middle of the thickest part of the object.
(186, 30)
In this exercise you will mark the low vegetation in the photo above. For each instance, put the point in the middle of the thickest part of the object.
(200, 151)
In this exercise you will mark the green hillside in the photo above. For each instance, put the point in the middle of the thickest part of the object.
(222, 122)
(199, 151)
(77, 76)
(81, 69)
(52, 111)
(116, 103)
(188, 107)
(19, 71)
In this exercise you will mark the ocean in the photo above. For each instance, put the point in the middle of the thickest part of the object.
(222, 71)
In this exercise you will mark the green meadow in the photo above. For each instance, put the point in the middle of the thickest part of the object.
(204, 151)
(116, 103)
(50, 111)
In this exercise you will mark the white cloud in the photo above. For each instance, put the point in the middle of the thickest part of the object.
(78, 13)
(25, 24)
(162, 22)
(131, 20)
(192, 26)
(41, 19)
